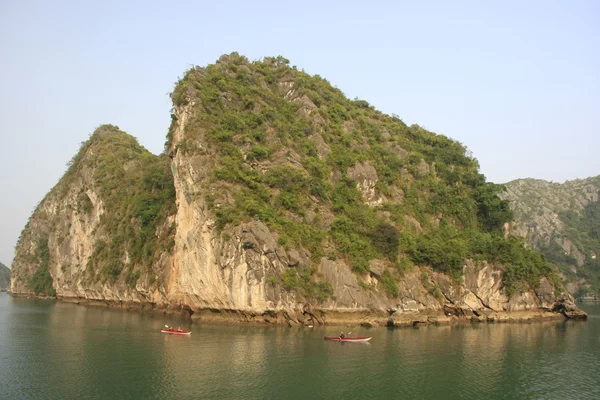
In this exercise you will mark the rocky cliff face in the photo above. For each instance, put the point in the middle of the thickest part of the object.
(561, 221)
(88, 238)
(281, 201)
(4, 277)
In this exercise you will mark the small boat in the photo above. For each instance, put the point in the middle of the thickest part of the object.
(176, 331)
(348, 339)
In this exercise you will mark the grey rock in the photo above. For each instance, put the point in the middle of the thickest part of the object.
(423, 168)
(294, 258)
(376, 267)
(366, 178)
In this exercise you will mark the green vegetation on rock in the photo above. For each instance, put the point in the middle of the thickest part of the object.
(583, 230)
(305, 285)
(41, 281)
(292, 151)
(138, 193)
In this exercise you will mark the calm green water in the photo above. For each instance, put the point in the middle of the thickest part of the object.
(51, 350)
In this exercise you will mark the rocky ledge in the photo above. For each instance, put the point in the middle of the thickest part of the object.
(562, 309)
(569, 309)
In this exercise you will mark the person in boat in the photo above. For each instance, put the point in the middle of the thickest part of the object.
(342, 336)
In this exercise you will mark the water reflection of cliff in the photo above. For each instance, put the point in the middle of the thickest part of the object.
(489, 360)
(232, 359)
(96, 347)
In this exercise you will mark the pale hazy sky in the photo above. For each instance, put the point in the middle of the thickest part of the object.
(518, 82)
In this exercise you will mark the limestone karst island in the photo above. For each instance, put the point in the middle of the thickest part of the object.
(279, 200)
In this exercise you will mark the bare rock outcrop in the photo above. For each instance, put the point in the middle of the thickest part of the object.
(366, 178)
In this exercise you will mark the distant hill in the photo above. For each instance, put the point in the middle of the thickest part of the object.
(562, 221)
(4, 277)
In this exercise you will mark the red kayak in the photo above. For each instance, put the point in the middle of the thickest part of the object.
(176, 331)
(348, 339)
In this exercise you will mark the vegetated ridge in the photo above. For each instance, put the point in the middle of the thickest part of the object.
(280, 200)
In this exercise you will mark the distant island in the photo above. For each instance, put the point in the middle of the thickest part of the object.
(561, 221)
(280, 200)
(4, 278)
